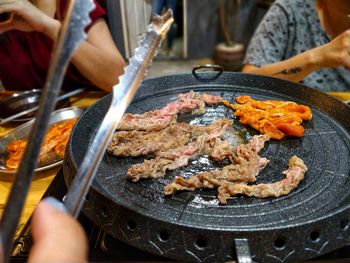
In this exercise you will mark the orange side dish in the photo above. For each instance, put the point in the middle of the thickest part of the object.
(54, 144)
(278, 119)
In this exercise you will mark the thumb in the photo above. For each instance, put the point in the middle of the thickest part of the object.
(57, 236)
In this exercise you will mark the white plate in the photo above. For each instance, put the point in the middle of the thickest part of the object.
(22, 132)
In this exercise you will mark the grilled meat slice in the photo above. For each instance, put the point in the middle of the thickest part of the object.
(159, 119)
(138, 143)
(247, 166)
(294, 175)
(179, 157)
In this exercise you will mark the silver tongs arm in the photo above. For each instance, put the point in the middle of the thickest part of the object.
(70, 37)
(123, 93)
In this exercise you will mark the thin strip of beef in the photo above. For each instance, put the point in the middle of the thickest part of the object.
(294, 175)
(247, 166)
(159, 119)
(179, 157)
(138, 143)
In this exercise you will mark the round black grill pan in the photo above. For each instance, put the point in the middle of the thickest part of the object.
(310, 221)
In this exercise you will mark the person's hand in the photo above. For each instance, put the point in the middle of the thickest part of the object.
(57, 236)
(27, 18)
(337, 52)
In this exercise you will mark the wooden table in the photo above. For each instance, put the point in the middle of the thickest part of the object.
(43, 179)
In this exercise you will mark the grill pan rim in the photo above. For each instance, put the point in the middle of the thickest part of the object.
(135, 209)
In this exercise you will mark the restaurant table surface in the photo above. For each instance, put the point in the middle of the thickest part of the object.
(43, 179)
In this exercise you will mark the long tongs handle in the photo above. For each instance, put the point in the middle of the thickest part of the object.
(71, 35)
(123, 93)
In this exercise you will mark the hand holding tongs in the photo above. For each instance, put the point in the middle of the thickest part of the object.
(71, 35)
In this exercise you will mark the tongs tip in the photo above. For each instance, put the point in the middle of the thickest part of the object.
(161, 24)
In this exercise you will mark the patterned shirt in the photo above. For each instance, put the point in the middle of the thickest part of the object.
(289, 28)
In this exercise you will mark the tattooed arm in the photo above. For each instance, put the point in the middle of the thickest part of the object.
(293, 69)
(334, 54)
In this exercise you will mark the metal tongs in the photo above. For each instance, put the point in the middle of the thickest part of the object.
(71, 35)
(123, 93)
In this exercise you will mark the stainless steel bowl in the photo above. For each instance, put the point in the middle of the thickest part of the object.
(22, 132)
(21, 101)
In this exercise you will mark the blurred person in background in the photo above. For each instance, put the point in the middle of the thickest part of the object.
(26, 43)
(306, 41)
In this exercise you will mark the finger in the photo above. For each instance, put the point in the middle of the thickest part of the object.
(6, 27)
(7, 7)
(57, 236)
(9, 19)
(4, 9)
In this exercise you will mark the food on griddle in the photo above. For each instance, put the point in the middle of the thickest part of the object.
(174, 144)
(277, 119)
(138, 143)
(232, 179)
(159, 119)
(209, 142)
(246, 165)
(53, 147)
(294, 175)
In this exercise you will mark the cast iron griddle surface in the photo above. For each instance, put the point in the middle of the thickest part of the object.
(325, 150)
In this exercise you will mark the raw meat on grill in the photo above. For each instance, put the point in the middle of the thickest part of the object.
(208, 143)
(138, 143)
(294, 175)
(226, 189)
(247, 166)
(159, 119)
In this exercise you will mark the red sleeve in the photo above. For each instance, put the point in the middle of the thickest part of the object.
(95, 14)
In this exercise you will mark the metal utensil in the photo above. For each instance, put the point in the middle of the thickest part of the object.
(123, 93)
(71, 35)
(22, 113)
